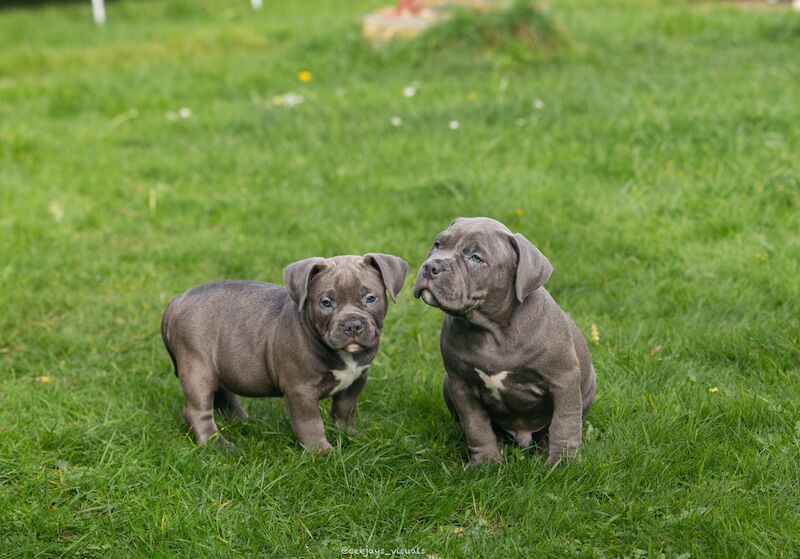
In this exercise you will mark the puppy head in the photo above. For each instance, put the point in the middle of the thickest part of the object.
(344, 298)
(479, 264)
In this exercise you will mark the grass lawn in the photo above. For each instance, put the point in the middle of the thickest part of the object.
(659, 171)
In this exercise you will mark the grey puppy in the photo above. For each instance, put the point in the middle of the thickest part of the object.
(312, 339)
(516, 363)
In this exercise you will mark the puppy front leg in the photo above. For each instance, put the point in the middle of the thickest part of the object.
(343, 405)
(306, 422)
(475, 421)
(567, 422)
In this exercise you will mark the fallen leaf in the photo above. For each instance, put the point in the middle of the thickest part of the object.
(654, 350)
(56, 210)
(713, 389)
(595, 334)
(41, 379)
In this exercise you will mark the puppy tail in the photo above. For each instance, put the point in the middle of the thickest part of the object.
(165, 338)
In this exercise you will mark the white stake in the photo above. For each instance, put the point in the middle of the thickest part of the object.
(99, 11)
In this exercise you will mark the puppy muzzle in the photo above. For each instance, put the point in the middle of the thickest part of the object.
(430, 271)
(353, 333)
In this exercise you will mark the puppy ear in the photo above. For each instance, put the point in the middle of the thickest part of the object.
(297, 276)
(533, 268)
(393, 271)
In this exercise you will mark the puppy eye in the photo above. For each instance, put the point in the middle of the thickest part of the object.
(370, 298)
(436, 245)
(476, 258)
(326, 302)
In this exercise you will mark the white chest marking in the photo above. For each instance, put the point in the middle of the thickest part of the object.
(536, 389)
(349, 374)
(494, 382)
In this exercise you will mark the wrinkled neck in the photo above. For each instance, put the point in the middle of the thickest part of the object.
(313, 336)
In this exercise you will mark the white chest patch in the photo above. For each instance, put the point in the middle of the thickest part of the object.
(494, 382)
(536, 389)
(349, 374)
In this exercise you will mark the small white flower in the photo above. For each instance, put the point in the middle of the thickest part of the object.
(287, 100)
(396, 121)
(409, 91)
(293, 99)
(454, 125)
(538, 104)
(184, 112)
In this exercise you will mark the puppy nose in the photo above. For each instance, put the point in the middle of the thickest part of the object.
(353, 326)
(434, 267)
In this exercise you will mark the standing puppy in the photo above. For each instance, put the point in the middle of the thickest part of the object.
(515, 362)
(309, 340)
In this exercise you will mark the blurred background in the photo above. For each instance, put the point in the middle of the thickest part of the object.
(649, 148)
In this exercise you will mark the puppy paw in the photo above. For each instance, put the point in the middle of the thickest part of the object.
(216, 439)
(321, 447)
(560, 454)
(348, 427)
(483, 459)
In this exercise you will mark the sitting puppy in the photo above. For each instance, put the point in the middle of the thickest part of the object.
(516, 364)
(309, 340)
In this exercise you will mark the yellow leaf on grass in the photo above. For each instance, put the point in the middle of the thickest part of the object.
(56, 210)
(41, 379)
(595, 334)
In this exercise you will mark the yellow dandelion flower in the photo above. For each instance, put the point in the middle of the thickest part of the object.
(595, 334)
(472, 96)
(519, 212)
(713, 389)
(304, 76)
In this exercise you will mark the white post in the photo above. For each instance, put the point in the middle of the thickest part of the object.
(99, 11)
(256, 4)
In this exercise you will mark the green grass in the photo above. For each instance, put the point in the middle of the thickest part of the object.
(661, 178)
